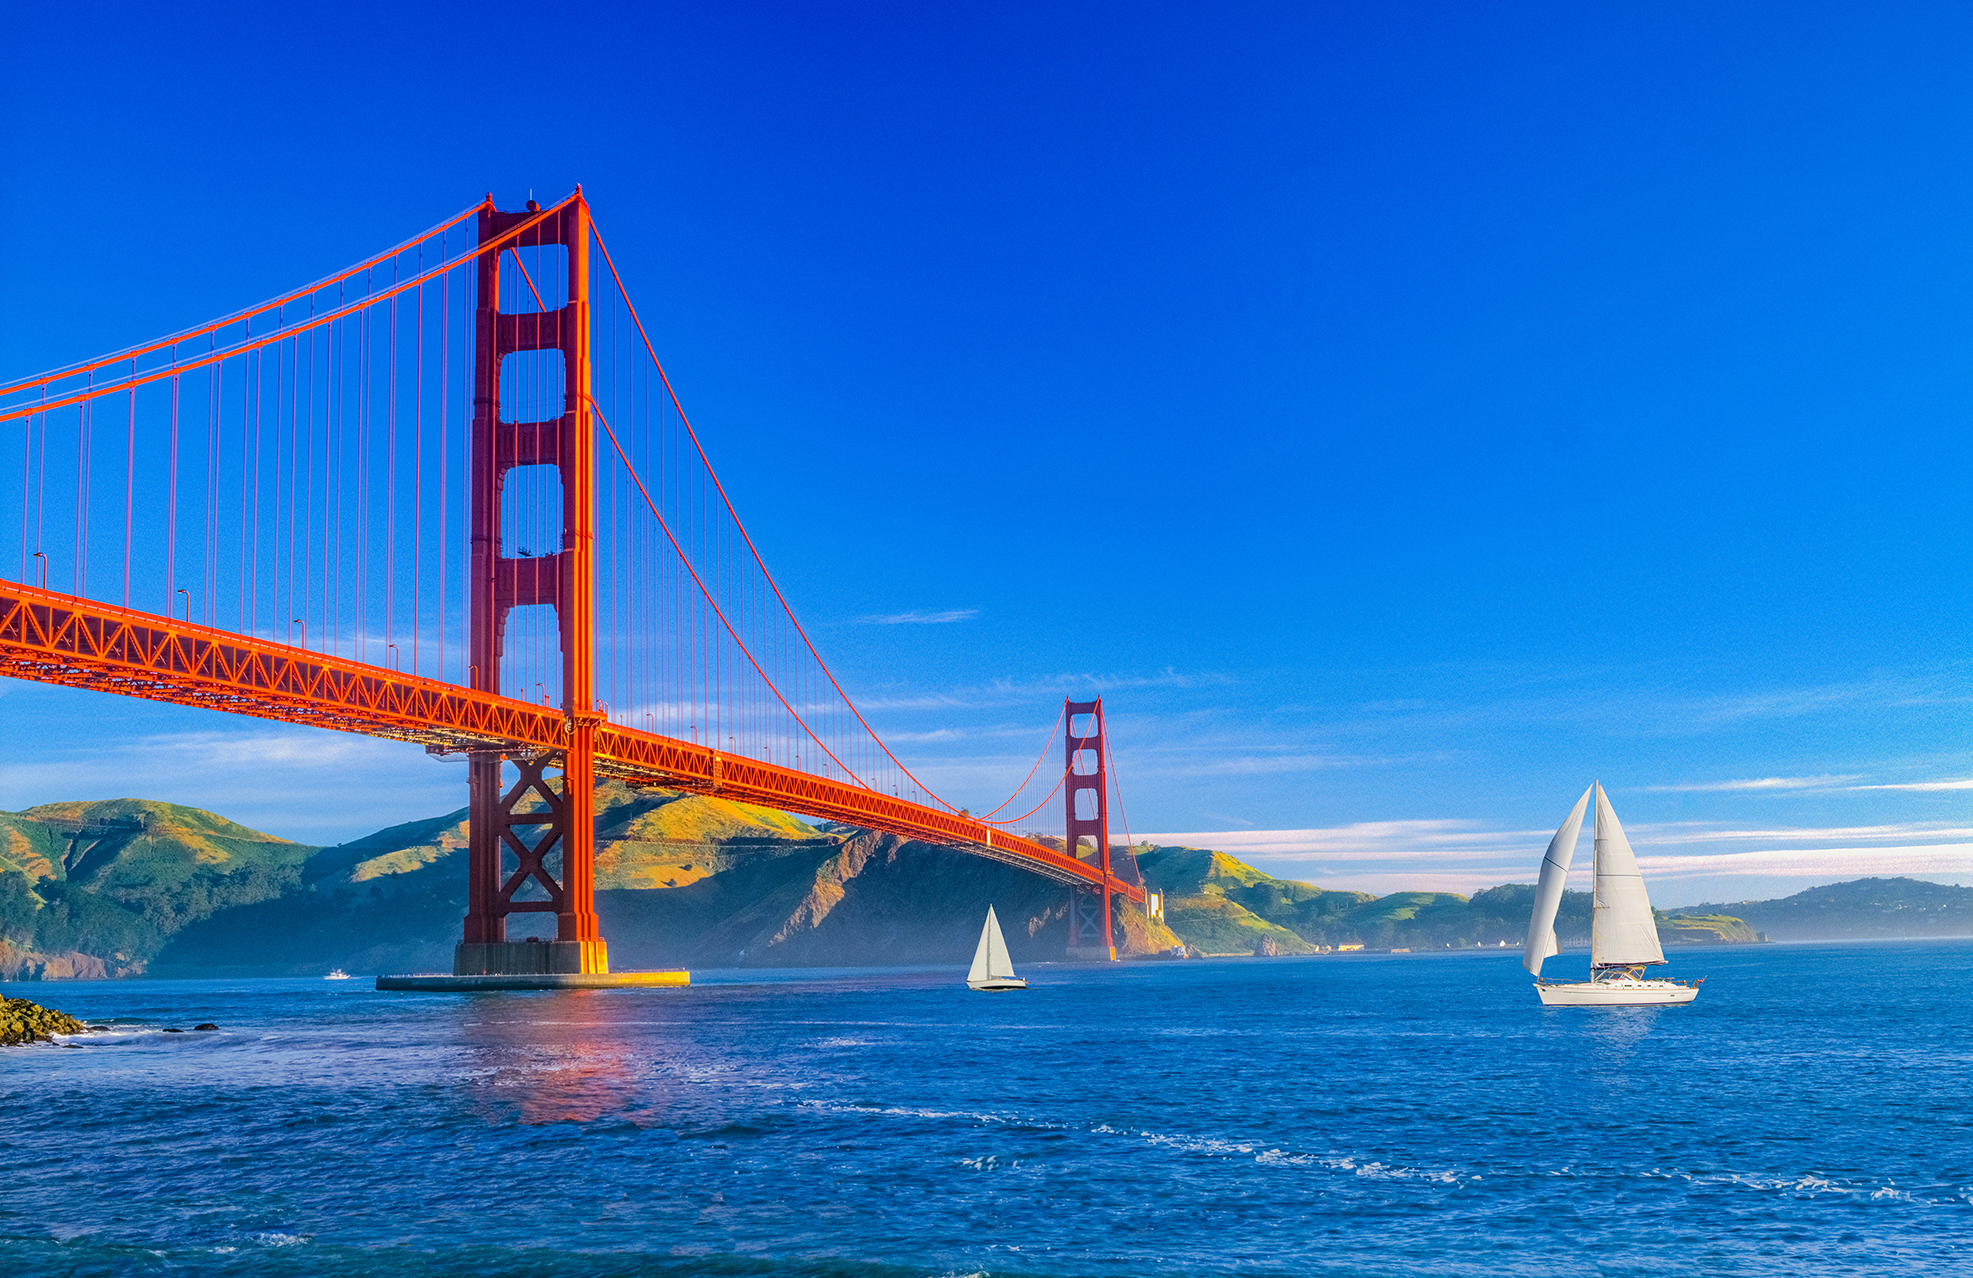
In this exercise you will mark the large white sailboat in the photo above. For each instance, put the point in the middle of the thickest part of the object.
(1623, 938)
(992, 968)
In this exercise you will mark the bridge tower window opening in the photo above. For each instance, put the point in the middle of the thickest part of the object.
(535, 279)
(531, 502)
(533, 388)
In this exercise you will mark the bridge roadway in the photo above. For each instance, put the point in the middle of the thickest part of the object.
(55, 638)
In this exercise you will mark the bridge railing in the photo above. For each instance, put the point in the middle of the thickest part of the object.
(54, 638)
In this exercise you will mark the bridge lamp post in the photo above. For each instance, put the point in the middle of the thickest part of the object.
(43, 557)
(304, 630)
(188, 604)
(392, 648)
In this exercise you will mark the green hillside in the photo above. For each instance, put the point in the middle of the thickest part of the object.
(126, 886)
(682, 880)
(393, 900)
(97, 888)
(1223, 905)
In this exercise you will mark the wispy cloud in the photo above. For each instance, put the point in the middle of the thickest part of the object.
(1829, 783)
(1419, 840)
(1698, 833)
(1641, 704)
(1443, 840)
(921, 618)
(1764, 783)
(1263, 765)
(1921, 785)
(1024, 692)
(1822, 864)
(305, 784)
(1464, 856)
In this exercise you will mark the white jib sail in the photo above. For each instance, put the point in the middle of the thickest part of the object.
(1548, 892)
(1624, 930)
(991, 960)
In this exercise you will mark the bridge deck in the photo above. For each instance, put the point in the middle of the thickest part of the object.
(55, 638)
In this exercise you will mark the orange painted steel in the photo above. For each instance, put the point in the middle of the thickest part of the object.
(499, 443)
(55, 638)
(238, 317)
(1089, 926)
(506, 240)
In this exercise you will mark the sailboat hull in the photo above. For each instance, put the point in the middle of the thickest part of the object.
(1615, 993)
(998, 983)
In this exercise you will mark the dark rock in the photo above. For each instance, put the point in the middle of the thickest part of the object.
(207, 1026)
(174, 1031)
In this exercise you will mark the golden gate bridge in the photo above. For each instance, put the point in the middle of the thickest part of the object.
(448, 495)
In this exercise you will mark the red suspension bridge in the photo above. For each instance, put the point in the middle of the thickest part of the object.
(449, 496)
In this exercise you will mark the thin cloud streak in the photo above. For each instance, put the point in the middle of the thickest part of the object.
(1825, 864)
(1422, 840)
(921, 618)
(309, 785)
(1004, 692)
(1921, 785)
(1462, 852)
(1762, 783)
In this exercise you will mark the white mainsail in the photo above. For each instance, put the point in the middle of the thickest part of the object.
(1624, 931)
(1548, 892)
(991, 961)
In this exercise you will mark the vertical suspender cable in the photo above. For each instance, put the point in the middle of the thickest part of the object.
(129, 485)
(417, 464)
(171, 503)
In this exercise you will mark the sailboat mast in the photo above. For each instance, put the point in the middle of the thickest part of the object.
(1595, 874)
(1623, 932)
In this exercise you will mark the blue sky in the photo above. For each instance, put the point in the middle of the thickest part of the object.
(1402, 414)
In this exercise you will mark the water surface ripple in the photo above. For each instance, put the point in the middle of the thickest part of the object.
(1368, 1115)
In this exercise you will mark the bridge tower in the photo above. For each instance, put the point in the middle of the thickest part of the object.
(1087, 765)
(564, 580)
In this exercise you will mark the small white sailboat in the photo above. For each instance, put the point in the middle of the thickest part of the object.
(992, 968)
(1623, 938)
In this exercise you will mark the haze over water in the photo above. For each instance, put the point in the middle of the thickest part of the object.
(1377, 1115)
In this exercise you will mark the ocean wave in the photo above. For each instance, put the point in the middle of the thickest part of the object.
(1259, 1151)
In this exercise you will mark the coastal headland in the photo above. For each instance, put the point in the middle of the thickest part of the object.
(131, 887)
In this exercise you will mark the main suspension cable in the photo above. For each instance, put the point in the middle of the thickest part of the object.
(687, 561)
(1046, 747)
(658, 364)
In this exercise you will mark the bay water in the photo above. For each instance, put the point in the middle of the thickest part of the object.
(1346, 1115)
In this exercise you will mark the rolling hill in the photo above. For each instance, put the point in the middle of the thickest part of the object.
(127, 887)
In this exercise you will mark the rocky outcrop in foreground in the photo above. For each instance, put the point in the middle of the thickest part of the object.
(23, 1022)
